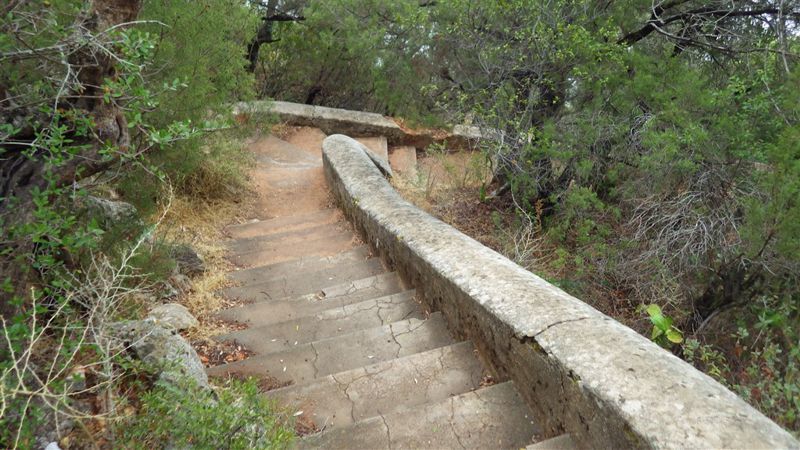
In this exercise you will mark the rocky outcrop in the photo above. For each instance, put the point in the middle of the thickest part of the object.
(162, 348)
(173, 315)
(112, 212)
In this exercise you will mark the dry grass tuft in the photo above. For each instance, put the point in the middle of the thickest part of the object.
(199, 223)
(447, 185)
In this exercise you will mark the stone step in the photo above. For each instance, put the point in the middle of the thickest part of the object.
(307, 138)
(493, 417)
(266, 313)
(275, 152)
(317, 359)
(285, 223)
(326, 324)
(305, 282)
(344, 398)
(306, 265)
(319, 247)
(256, 243)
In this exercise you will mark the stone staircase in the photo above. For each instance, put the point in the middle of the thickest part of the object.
(361, 357)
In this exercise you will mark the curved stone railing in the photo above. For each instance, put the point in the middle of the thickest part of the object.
(581, 372)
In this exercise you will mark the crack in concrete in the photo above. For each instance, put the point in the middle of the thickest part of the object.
(388, 431)
(344, 387)
(411, 330)
(394, 338)
(560, 322)
(378, 314)
(452, 422)
(409, 314)
(314, 362)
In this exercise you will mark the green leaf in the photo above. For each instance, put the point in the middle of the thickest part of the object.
(674, 335)
(662, 322)
(653, 310)
(657, 332)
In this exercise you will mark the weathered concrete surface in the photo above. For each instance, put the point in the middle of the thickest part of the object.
(282, 224)
(262, 313)
(306, 282)
(327, 324)
(329, 120)
(326, 245)
(345, 398)
(287, 178)
(289, 268)
(581, 372)
(403, 159)
(255, 243)
(490, 418)
(309, 361)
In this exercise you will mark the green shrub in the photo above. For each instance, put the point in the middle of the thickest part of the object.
(183, 415)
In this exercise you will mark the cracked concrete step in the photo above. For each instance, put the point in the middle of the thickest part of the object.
(355, 291)
(309, 264)
(305, 282)
(344, 398)
(286, 237)
(493, 417)
(327, 324)
(317, 359)
(320, 247)
(256, 243)
(262, 313)
(285, 223)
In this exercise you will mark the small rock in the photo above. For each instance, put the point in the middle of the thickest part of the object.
(181, 282)
(162, 348)
(167, 291)
(52, 446)
(173, 315)
(112, 212)
(173, 287)
(188, 261)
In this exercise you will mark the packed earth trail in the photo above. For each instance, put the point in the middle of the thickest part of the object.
(361, 362)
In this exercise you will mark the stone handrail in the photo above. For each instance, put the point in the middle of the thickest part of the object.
(581, 372)
(359, 123)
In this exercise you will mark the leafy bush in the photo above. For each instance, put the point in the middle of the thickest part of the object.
(236, 416)
(199, 55)
(85, 103)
